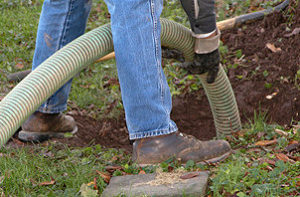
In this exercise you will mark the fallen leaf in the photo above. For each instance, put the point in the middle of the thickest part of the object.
(269, 161)
(294, 32)
(284, 158)
(271, 95)
(91, 183)
(104, 175)
(269, 168)
(111, 169)
(280, 132)
(114, 158)
(52, 182)
(18, 142)
(19, 66)
(95, 184)
(293, 142)
(170, 168)
(240, 133)
(272, 47)
(189, 175)
(265, 142)
(142, 172)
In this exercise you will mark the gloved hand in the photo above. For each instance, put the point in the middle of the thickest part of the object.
(203, 24)
(204, 63)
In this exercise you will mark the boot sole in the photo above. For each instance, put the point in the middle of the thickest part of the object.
(205, 162)
(29, 136)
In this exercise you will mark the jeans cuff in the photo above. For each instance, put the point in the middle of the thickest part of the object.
(47, 110)
(171, 129)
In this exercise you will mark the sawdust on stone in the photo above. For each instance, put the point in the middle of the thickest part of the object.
(165, 178)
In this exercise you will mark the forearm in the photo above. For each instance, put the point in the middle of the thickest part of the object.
(202, 18)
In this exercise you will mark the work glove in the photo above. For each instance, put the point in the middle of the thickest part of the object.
(203, 24)
(204, 63)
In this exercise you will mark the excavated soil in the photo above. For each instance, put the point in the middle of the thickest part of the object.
(191, 112)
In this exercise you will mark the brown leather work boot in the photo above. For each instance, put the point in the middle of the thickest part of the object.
(40, 127)
(154, 150)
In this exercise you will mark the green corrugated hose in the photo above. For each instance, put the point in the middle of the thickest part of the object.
(40, 84)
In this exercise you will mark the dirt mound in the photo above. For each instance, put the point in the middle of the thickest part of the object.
(264, 80)
(269, 67)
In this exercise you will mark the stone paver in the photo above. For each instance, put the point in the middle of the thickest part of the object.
(142, 185)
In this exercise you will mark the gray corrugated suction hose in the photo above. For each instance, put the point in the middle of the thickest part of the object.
(220, 94)
(31, 92)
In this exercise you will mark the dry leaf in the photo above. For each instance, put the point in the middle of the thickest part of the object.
(284, 158)
(271, 95)
(265, 142)
(239, 133)
(142, 172)
(280, 132)
(52, 182)
(170, 168)
(294, 32)
(293, 142)
(272, 48)
(269, 168)
(189, 175)
(18, 142)
(269, 161)
(19, 66)
(95, 184)
(298, 182)
(111, 169)
(104, 175)
(91, 183)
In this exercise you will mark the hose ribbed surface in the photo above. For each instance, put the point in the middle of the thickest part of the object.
(220, 94)
(176, 36)
(40, 84)
(223, 104)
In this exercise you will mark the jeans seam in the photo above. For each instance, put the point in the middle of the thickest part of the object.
(66, 24)
(154, 19)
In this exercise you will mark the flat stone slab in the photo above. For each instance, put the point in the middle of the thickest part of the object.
(158, 185)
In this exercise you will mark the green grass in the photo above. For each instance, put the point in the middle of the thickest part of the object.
(24, 170)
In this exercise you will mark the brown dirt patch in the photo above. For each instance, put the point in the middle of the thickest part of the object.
(191, 112)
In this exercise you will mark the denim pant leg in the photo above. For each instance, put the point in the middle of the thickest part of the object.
(61, 21)
(145, 92)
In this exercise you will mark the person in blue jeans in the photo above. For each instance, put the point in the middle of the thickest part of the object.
(145, 93)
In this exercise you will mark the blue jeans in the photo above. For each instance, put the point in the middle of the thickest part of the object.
(136, 35)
